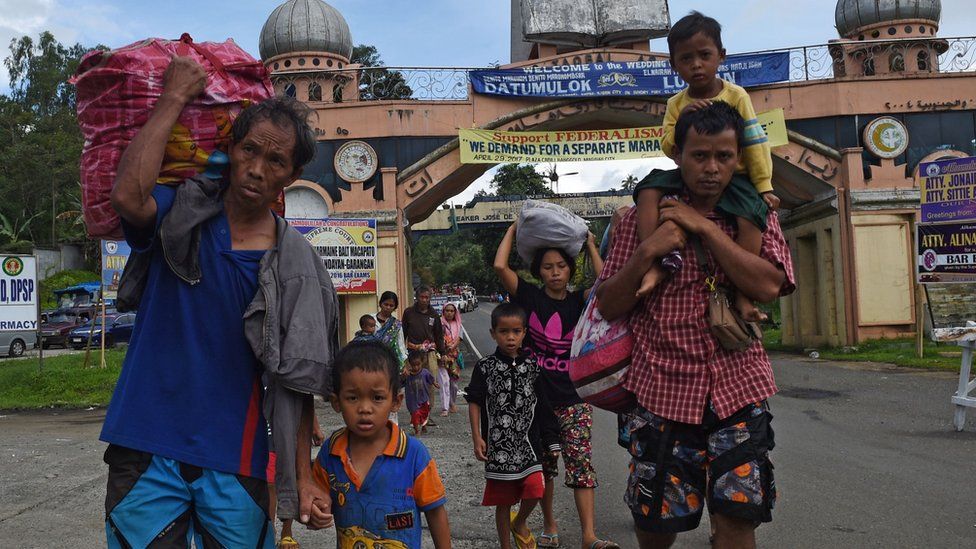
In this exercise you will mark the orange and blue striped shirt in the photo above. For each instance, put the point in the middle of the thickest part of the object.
(385, 504)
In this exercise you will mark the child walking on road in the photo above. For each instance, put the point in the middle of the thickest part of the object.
(511, 425)
(417, 382)
(380, 480)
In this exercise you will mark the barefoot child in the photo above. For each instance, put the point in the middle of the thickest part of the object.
(380, 479)
(416, 381)
(510, 419)
(695, 44)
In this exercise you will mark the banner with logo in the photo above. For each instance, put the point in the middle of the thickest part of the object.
(947, 190)
(496, 146)
(115, 254)
(946, 252)
(348, 248)
(624, 78)
(18, 293)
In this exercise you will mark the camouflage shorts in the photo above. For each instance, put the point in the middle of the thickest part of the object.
(674, 465)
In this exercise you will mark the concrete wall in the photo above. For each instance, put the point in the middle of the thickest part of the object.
(951, 304)
(50, 261)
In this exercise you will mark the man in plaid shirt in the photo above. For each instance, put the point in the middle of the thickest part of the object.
(702, 431)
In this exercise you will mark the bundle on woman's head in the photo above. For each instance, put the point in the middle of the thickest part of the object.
(542, 226)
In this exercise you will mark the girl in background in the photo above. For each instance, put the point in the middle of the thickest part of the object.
(450, 371)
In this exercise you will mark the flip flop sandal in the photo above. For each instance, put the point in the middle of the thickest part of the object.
(288, 542)
(548, 541)
(521, 542)
(604, 544)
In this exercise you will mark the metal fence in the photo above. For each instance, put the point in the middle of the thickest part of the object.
(807, 63)
(817, 62)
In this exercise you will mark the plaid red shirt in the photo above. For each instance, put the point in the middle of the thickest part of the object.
(678, 365)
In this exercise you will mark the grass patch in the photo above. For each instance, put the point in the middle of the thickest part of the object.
(900, 352)
(64, 382)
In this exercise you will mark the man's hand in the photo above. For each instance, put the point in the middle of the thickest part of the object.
(667, 237)
(184, 79)
(683, 215)
(480, 449)
(694, 106)
(771, 199)
(314, 506)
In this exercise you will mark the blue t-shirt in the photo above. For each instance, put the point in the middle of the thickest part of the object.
(384, 506)
(415, 386)
(190, 387)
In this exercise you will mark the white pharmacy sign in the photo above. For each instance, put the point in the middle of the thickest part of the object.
(18, 293)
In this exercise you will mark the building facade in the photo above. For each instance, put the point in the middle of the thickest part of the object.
(862, 111)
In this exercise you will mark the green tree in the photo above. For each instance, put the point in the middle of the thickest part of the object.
(629, 183)
(41, 142)
(517, 180)
(378, 82)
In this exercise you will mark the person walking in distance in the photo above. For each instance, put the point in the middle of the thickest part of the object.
(423, 331)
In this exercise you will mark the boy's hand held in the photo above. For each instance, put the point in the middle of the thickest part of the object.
(321, 515)
(314, 505)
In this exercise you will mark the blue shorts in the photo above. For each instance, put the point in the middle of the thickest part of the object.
(152, 501)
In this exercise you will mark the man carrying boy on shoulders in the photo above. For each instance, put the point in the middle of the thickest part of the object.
(703, 424)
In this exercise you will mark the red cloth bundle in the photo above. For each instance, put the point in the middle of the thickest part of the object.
(117, 91)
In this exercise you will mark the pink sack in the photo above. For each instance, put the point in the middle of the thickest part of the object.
(117, 91)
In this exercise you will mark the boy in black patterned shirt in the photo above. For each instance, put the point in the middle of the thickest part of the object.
(511, 425)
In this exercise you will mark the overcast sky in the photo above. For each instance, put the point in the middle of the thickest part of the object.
(456, 33)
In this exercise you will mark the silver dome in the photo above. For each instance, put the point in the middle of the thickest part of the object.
(851, 15)
(305, 25)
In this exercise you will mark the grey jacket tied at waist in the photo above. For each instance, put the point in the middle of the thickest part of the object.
(291, 324)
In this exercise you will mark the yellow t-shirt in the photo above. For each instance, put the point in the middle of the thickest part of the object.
(757, 160)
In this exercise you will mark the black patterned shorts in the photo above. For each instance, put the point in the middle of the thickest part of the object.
(673, 465)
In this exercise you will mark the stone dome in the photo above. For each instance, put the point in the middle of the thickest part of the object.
(305, 25)
(853, 15)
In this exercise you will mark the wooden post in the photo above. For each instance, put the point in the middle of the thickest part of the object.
(919, 322)
(104, 327)
(40, 338)
(91, 332)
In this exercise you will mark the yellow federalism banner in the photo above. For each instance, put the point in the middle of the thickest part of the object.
(496, 146)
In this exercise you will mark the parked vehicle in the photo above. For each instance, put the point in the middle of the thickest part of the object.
(54, 331)
(437, 302)
(119, 331)
(17, 342)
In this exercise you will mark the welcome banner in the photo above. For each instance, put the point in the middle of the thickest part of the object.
(495, 146)
(624, 78)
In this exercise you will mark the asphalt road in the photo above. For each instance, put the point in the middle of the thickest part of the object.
(866, 456)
